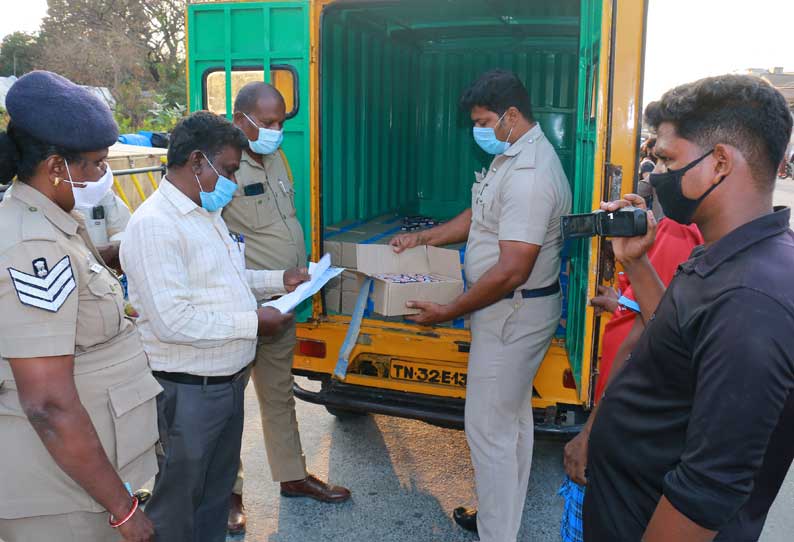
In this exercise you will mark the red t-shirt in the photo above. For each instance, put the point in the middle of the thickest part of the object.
(674, 243)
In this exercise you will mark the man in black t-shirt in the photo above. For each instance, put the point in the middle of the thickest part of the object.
(693, 437)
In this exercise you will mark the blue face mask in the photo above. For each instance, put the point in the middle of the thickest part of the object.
(486, 138)
(268, 141)
(221, 196)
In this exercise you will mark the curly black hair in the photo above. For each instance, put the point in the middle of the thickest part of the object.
(743, 111)
(497, 91)
(203, 131)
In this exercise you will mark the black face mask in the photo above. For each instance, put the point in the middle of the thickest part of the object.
(671, 197)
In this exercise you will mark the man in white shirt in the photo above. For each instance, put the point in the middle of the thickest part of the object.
(199, 323)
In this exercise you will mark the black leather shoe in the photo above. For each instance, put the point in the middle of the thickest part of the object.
(466, 518)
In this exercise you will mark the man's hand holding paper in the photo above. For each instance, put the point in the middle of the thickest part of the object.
(295, 277)
(302, 284)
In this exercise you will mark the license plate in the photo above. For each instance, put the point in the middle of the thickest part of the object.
(429, 374)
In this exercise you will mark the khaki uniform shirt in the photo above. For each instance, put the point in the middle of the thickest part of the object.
(273, 236)
(60, 299)
(520, 198)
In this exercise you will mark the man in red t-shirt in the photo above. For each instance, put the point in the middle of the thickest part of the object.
(673, 245)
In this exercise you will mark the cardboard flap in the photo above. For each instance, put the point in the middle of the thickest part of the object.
(375, 259)
(444, 262)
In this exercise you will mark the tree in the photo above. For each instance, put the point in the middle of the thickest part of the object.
(134, 47)
(94, 42)
(122, 39)
(19, 53)
(165, 38)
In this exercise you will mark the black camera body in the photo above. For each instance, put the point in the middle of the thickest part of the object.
(627, 222)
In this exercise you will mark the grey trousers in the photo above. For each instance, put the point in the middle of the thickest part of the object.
(201, 429)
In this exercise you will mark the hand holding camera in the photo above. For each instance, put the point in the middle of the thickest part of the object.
(630, 249)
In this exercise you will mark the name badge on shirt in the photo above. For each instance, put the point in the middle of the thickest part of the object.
(96, 268)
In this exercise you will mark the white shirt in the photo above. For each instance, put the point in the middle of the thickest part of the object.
(187, 280)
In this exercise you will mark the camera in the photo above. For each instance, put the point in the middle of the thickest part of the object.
(627, 222)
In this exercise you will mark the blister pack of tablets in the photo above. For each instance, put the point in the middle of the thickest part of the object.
(406, 278)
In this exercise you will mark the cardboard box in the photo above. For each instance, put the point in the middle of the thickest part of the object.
(351, 281)
(342, 248)
(335, 250)
(389, 298)
(348, 303)
(333, 298)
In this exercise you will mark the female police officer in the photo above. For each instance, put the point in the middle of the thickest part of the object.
(77, 408)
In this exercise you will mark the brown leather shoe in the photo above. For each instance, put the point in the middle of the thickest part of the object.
(236, 523)
(314, 488)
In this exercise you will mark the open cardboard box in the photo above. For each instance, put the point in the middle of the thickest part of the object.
(389, 298)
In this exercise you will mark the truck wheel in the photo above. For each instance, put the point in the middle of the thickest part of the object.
(343, 414)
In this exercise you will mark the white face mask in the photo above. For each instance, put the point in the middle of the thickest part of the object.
(88, 196)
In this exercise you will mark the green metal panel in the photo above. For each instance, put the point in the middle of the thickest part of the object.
(369, 154)
(413, 146)
(392, 135)
(586, 129)
(235, 35)
(452, 155)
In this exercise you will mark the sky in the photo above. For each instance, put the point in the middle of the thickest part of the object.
(687, 39)
(690, 39)
(24, 15)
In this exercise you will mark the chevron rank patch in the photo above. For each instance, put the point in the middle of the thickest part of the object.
(46, 288)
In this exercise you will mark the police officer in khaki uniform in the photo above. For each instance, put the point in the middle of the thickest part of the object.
(77, 398)
(105, 220)
(263, 211)
(512, 266)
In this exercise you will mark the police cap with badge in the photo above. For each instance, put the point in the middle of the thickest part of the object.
(54, 110)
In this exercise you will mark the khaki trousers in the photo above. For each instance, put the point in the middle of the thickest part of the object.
(73, 527)
(272, 378)
(509, 341)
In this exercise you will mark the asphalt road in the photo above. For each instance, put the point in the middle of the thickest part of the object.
(406, 477)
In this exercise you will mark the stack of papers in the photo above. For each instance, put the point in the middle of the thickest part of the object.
(320, 272)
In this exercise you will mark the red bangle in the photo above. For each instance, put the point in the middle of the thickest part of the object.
(125, 519)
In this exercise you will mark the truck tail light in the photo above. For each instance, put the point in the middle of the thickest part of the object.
(312, 349)
(568, 381)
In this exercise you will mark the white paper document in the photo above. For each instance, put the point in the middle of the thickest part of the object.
(320, 273)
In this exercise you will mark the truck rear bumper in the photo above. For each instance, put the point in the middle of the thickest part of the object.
(564, 421)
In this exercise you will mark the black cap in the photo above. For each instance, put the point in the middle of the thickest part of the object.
(56, 111)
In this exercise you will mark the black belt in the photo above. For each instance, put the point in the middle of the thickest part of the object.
(196, 380)
(537, 292)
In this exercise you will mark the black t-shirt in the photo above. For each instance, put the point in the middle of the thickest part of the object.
(703, 410)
